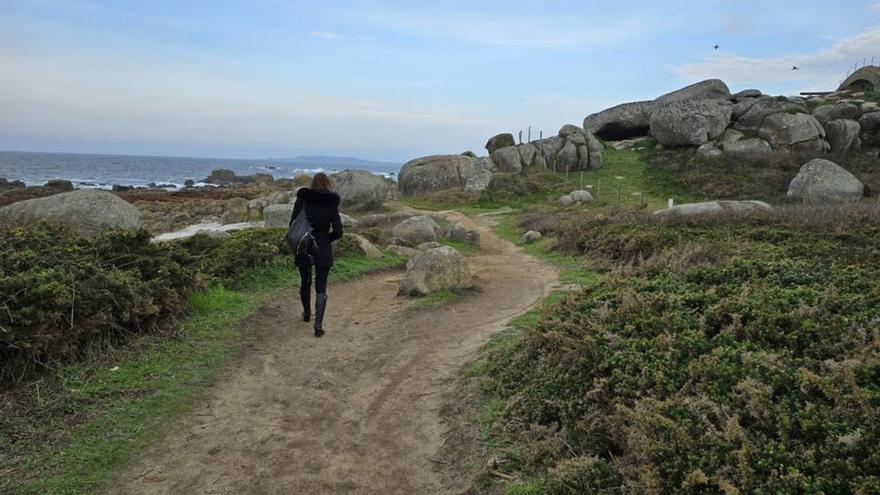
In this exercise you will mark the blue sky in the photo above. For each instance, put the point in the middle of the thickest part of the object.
(385, 80)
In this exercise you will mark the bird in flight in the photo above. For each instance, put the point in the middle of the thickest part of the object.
(795, 68)
(716, 47)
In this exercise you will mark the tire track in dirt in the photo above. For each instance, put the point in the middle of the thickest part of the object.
(357, 411)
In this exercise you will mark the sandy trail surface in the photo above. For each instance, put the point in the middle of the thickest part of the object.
(357, 411)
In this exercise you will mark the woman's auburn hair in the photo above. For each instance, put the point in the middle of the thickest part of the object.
(321, 182)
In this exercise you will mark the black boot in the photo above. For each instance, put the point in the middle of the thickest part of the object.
(320, 306)
(304, 296)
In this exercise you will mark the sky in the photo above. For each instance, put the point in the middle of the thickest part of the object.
(386, 80)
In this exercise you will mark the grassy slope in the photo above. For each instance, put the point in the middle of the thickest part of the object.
(90, 419)
(490, 416)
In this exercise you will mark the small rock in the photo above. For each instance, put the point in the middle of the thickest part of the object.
(531, 236)
(428, 245)
(565, 201)
(436, 269)
(581, 196)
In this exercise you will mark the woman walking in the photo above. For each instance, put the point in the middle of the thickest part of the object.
(322, 212)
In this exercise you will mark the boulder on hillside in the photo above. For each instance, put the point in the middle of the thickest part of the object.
(441, 268)
(417, 230)
(827, 113)
(623, 121)
(843, 135)
(581, 196)
(88, 212)
(715, 208)
(752, 120)
(499, 141)
(277, 215)
(440, 172)
(795, 131)
(710, 89)
(359, 189)
(823, 180)
(690, 123)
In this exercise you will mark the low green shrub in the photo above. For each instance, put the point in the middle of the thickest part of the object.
(62, 292)
(754, 370)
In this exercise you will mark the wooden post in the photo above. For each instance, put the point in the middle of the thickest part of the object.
(529, 139)
(598, 187)
(618, 196)
(581, 181)
(541, 134)
(520, 137)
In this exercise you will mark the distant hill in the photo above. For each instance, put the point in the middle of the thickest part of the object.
(334, 162)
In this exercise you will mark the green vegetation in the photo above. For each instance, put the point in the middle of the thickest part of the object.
(623, 174)
(68, 428)
(736, 356)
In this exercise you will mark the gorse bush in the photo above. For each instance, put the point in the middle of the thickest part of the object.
(62, 292)
(755, 369)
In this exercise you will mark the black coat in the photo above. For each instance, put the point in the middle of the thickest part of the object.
(322, 212)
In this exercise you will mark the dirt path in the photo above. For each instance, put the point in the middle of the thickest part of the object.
(354, 412)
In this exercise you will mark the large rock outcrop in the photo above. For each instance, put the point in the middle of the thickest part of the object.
(823, 181)
(440, 172)
(622, 121)
(794, 131)
(359, 189)
(441, 268)
(690, 122)
(634, 119)
(88, 212)
(571, 149)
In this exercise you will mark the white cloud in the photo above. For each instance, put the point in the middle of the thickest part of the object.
(822, 70)
(519, 31)
(327, 35)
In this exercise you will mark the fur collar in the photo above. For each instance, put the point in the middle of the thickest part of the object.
(315, 197)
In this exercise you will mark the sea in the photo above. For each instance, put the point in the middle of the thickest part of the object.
(103, 171)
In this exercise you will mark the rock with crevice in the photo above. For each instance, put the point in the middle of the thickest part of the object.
(843, 135)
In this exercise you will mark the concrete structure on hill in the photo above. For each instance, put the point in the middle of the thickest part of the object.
(866, 78)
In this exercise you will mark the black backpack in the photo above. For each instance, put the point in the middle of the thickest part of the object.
(300, 237)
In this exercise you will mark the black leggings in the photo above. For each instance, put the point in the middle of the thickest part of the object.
(305, 278)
